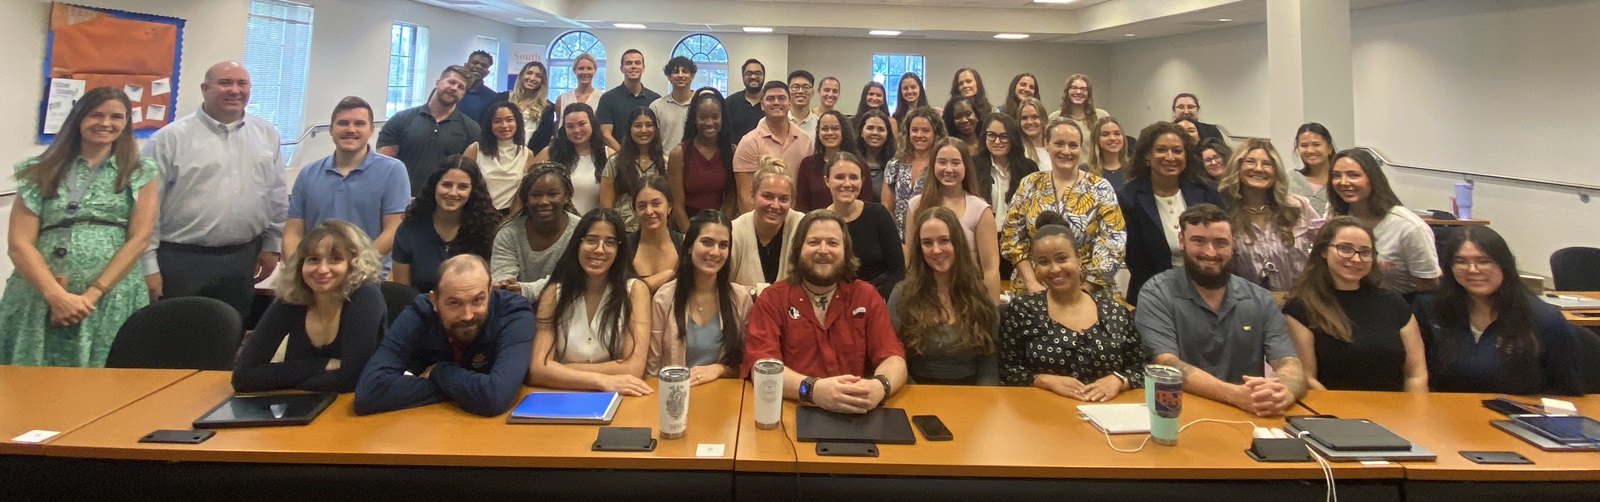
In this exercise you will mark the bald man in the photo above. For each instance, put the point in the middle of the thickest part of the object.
(223, 199)
(465, 342)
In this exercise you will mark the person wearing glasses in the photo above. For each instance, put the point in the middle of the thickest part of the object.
(801, 85)
(1214, 155)
(1350, 333)
(1273, 228)
(1187, 106)
(594, 317)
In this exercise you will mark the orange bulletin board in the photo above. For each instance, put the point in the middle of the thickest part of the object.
(88, 47)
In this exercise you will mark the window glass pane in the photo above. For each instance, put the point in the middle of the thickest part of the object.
(277, 54)
(710, 57)
(887, 69)
(559, 61)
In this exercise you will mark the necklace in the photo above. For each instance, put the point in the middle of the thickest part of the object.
(1258, 210)
(820, 300)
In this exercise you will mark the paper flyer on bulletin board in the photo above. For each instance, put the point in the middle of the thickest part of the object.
(88, 47)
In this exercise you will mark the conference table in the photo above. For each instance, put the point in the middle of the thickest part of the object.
(1027, 443)
(1009, 443)
(1581, 317)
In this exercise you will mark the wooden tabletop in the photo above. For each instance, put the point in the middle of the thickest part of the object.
(64, 399)
(1024, 432)
(1582, 317)
(438, 434)
(1449, 423)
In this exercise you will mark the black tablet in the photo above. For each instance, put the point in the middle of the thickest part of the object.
(265, 411)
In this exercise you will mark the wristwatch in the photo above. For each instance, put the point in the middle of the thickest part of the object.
(806, 387)
(886, 390)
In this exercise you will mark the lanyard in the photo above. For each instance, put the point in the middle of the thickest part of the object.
(77, 191)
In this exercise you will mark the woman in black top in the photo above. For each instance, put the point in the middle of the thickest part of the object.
(872, 233)
(328, 306)
(1350, 333)
(1063, 339)
(458, 216)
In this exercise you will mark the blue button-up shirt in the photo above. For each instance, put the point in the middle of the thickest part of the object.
(221, 184)
(378, 186)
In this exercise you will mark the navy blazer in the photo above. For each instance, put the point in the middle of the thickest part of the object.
(986, 182)
(1148, 252)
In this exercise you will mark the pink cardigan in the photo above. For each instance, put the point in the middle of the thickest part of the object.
(666, 349)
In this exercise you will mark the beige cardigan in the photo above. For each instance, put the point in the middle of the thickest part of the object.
(666, 349)
(746, 251)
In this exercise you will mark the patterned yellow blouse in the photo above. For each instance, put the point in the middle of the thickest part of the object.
(1090, 208)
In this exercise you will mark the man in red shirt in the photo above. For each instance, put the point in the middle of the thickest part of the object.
(831, 331)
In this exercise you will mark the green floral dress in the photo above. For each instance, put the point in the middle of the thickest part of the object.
(26, 335)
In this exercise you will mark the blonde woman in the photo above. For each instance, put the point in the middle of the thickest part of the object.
(538, 116)
(584, 67)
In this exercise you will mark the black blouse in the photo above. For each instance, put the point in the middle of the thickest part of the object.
(1031, 343)
(1375, 357)
(361, 324)
(876, 243)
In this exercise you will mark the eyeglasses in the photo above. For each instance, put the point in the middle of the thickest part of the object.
(802, 87)
(1249, 162)
(1480, 263)
(997, 138)
(1212, 160)
(1349, 251)
(599, 242)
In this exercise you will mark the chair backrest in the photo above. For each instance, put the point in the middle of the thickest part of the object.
(192, 332)
(397, 296)
(1589, 358)
(1576, 269)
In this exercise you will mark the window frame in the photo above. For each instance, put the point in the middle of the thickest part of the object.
(558, 68)
(892, 88)
(709, 68)
(412, 91)
(287, 98)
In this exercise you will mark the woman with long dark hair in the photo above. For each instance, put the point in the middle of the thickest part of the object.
(500, 156)
(1405, 244)
(1315, 146)
(942, 313)
(833, 137)
(701, 168)
(877, 247)
(1488, 332)
(1023, 86)
(952, 183)
(1350, 333)
(530, 242)
(655, 244)
(583, 152)
(961, 118)
(902, 178)
(913, 96)
(1077, 105)
(640, 156)
(456, 216)
(876, 137)
(538, 113)
(701, 324)
(1163, 181)
(967, 83)
(86, 209)
(602, 347)
(1001, 164)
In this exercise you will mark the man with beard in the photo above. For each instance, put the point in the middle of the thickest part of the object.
(741, 111)
(355, 184)
(1216, 327)
(423, 136)
(1187, 106)
(831, 331)
(465, 342)
(478, 96)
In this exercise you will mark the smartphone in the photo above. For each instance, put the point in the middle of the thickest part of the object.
(1495, 457)
(177, 436)
(932, 428)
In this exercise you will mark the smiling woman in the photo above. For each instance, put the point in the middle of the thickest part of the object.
(1163, 181)
(458, 218)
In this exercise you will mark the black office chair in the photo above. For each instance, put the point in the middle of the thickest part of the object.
(1575, 270)
(1589, 359)
(192, 332)
(397, 296)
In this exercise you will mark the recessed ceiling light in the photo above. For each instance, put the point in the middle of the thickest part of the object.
(629, 26)
(1054, 1)
(529, 20)
(884, 33)
(1011, 36)
(1225, 20)
(757, 29)
(1127, 34)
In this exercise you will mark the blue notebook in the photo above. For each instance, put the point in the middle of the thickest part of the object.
(566, 408)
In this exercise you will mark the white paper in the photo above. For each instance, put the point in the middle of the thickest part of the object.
(160, 87)
(137, 116)
(1558, 407)
(155, 112)
(58, 104)
(1374, 462)
(709, 450)
(135, 93)
(35, 436)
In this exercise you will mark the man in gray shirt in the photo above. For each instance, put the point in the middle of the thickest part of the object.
(223, 198)
(1218, 328)
(422, 136)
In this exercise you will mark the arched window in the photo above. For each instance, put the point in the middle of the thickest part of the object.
(711, 58)
(559, 60)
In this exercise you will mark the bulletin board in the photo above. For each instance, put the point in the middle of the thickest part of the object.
(89, 47)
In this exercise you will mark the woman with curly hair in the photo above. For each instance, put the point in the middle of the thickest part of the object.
(458, 218)
(329, 308)
(942, 312)
(1273, 228)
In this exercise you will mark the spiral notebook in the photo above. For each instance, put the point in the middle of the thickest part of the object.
(539, 407)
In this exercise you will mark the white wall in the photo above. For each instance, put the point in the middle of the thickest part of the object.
(771, 49)
(1487, 86)
(850, 59)
(1226, 68)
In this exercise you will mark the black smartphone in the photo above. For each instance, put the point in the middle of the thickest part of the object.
(1495, 457)
(932, 428)
(1508, 407)
(177, 436)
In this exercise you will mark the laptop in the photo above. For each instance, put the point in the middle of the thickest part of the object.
(1523, 432)
(265, 411)
(1570, 302)
(882, 425)
(1351, 437)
